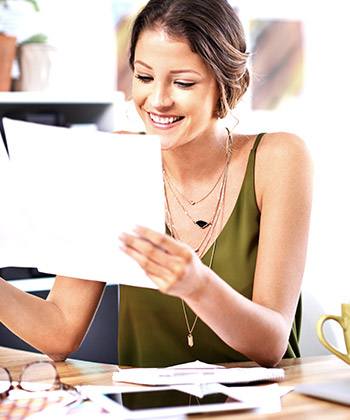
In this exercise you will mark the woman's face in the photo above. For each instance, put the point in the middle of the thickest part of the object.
(173, 90)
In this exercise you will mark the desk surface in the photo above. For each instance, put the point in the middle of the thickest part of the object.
(294, 405)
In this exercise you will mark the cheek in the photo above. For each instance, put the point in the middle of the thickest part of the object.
(206, 107)
(135, 93)
(139, 92)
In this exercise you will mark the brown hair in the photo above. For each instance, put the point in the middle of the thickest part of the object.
(213, 31)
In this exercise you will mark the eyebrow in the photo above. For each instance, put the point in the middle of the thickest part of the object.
(172, 71)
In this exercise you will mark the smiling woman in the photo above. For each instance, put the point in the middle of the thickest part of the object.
(230, 267)
(232, 270)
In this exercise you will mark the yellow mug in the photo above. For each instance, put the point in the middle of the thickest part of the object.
(344, 322)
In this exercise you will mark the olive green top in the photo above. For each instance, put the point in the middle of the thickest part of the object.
(152, 328)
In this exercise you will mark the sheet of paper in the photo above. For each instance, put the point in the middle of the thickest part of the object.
(78, 192)
(197, 364)
(14, 225)
(176, 375)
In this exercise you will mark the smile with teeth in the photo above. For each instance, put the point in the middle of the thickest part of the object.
(164, 120)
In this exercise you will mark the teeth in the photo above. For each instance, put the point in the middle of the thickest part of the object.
(163, 120)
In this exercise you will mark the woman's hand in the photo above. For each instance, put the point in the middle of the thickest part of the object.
(171, 264)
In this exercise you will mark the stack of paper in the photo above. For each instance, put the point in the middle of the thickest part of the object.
(67, 195)
(197, 373)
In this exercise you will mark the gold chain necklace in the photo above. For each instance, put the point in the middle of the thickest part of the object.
(207, 237)
(191, 202)
(174, 234)
(173, 186)
(209, 233)
(190, 340)
(199, 249)
(201, 223)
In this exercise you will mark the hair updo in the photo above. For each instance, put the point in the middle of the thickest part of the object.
(213, 31)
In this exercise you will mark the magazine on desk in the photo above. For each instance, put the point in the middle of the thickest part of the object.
(69, 194)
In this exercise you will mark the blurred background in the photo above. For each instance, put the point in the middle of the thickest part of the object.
(300, 83)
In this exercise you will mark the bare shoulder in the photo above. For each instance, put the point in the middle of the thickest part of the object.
(282, 143)
(281, 149)
(282, 159)
(274, 148)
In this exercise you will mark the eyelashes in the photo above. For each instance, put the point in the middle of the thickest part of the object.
(185, 84)
(148, 79)
(143, 79)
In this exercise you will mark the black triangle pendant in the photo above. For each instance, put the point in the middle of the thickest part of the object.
(202, 224)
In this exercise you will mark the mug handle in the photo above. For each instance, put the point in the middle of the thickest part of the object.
(324, 341)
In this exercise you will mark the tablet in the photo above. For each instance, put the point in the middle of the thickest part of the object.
(159, 403)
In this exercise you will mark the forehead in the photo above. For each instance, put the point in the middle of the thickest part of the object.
(158, 50)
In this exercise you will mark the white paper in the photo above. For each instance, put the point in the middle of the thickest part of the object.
(181, 374)
(73, 194)
(266, 397)
(196, 364)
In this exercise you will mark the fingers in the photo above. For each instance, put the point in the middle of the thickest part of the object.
(150, 267)
(163, 259)
(145, 247)
(165, 242)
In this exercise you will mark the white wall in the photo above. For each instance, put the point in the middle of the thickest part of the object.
(83, 33)
(321, 117)
(328, 135)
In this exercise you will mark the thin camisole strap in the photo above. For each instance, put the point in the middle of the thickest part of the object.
(256, 142)
(250, 178)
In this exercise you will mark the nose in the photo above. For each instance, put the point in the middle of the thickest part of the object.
(160, 97)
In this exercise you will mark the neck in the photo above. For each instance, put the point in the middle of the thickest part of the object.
(198, 160)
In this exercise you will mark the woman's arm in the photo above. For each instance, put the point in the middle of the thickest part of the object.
(55, 326)
(259, 328)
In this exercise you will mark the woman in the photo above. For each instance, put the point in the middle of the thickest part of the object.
(229, 269)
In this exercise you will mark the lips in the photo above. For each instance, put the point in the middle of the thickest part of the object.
(164, 120)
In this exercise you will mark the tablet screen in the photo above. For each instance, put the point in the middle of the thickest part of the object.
(165, 398)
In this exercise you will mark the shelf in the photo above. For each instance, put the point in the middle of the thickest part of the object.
(58, 98)
(76, 108)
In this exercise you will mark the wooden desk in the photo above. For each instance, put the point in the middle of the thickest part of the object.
(295, 406)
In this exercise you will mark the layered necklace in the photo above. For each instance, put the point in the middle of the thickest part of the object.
(207, 226)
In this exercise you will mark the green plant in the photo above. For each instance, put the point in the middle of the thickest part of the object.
(38, 38)
(32, 2)
(35, 39)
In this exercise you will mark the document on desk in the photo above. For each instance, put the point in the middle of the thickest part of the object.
(70, 194)
(197, 373)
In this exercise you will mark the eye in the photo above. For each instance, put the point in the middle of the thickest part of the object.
(184, 85)
(143, 79)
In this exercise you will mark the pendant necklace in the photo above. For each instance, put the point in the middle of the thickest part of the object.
(209, 233)
(201, 223)
(190, 340)
(192, 202)
(174, 234)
